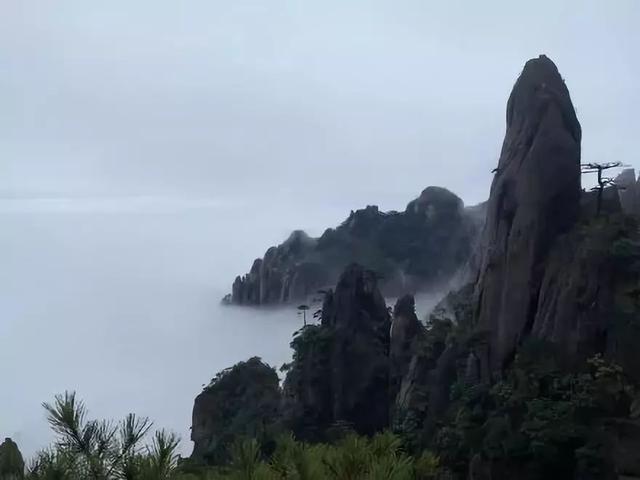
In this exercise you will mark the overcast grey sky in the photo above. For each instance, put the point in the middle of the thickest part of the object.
(335, 101)
(190, 112)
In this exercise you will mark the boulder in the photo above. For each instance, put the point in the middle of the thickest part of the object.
(535, 198)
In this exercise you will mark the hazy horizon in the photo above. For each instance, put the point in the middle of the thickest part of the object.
(151, 150)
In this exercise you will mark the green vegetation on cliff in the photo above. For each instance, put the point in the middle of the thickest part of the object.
(241, 401)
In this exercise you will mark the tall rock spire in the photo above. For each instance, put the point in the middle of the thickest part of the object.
(359, 359)
(534, 198)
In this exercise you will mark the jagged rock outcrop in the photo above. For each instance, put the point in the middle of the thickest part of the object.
(241, 401)
(340, 371)
(469, 272)
(285, 273)
(11, 461)
(550, 269)
(417, 398)
(435, 202)
(405, 329)
(540, 273)
(555, 284)
(419, 248)
(535, 198)
(358, 316)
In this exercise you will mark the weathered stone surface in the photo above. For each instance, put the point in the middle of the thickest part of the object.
(281, 275)
(576, 293)
(243, 400)
(358, 315)
(477, 214)
(340, 372)
(405, 329)
(534, 198)
(427, 382)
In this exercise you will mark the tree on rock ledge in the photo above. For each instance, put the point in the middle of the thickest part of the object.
(603, 182)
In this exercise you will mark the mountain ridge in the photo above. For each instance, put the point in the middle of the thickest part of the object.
(418, 249)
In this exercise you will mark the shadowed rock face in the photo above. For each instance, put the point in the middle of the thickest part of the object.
(358, 315)
(240, 401)
(417, 249)
(340, 372)
(535, 197)
(285, 273)
(405, 329)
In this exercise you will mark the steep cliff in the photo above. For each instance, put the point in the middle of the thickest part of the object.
(405, 330)
(419, 248)
(535, 198)
(340, 372)
(529, 370)
(555, 293)
(243, 400)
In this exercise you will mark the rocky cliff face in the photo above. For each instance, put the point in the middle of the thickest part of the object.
(418, 248)
(243, 400)
(543, 268)
(547, 269)
(550, 269)
(285, 273)
(587, 302)
(405, 330)
(340, 372)
(535, 198)
(358, 316)
(484, 382)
